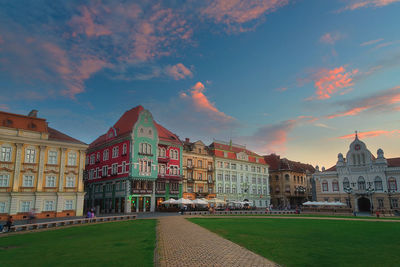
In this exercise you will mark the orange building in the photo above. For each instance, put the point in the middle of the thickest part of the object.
(40, 168)
(198, 177)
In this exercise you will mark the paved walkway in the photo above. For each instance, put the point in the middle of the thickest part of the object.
(182, 243)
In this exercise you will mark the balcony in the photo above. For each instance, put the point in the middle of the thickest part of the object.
(160, 191)
(142, 191)
(174, 192)
(145, 154)
(163, 160)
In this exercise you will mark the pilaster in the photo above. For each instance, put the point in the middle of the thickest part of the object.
(14, 204)
(79, 203)
(18, 159)
(41, 168)
(127, 208)
(62, 170)
(60, 202)
(153, 198)
(81, 167)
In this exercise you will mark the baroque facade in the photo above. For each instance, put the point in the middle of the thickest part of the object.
(240, 174)
(289, 181)
(198, 171)
(134, 166)
(40, 168)
(365, 182)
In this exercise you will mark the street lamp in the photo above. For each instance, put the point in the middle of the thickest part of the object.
(348, 190)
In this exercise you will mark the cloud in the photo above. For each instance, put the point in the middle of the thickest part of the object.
(384, 101)
(322, 125)
(356, 4)
(371, 42)
(4, 107)
(201, 103)
(371, 134)
(272, 138)
(328, 82)
(331, 38)
(281, 89)
(235, 13)
(178, 71)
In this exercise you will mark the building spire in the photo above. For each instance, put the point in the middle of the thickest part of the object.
(356, 135)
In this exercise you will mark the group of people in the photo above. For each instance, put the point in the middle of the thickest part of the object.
(90, 213)
(7, 227)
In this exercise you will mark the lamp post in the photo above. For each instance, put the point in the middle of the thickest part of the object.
(348, 190)
(370, 191)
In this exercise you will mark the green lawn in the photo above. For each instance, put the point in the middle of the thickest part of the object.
(314, 215)
(129, 243)
(313, 242)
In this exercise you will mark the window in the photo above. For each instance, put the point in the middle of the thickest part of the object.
(72, 159)
(233, 190)
(233, 166)
(144, 166)
(124, 149)
(253, 169)
(253, 180)
(49, 205)
(258, 169)
(105, 155)
(277, 189)
(226, 165)
(30, 155)
(4, 180)
(392, 184)
(395, 203)
(69, 204)
(91, 174)
(259, 180)
(346, 183)
(220, 164)
(324, 186)
(220, 189)
(52, 157)
(227, 189)
(254, 190)
(70, 181)
(276, 178)
(200, 176)
(28, 181)
(335, 185)
(200, 164)
(5, 154)
(3, 207)
(114, 169)
(219, 176)
(361, 183)
(287, 177)
(381, 203)
(189, 163)
(145, 148)
(25, 206)
(378, 184)
(50, 181)
(246, 167)
(234, 179)
(92, 159)
(264, 180)
(227, 177)
(287, 188)
(98, 157)
(104, 171)
(115, 152)
(87, 160)
(123, 167)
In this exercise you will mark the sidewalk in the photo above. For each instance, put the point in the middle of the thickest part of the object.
(182, 243)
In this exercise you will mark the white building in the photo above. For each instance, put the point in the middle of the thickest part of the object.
(365, 182)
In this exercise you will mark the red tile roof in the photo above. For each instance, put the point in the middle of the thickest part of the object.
(18, 121)
(165, 135)
(55, 135)
(393, 162)
(331, 169)
(218, 150)
(273, 161)
(276, 163)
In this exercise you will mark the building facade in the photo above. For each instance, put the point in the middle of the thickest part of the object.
(40, 168)
(289, 181)
(240, 174)
(365, 182)
(122, 165)
(198, 171)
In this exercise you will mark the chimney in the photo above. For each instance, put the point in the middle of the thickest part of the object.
(33, 113)
(187, 140)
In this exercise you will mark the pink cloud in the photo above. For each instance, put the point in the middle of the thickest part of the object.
(371, 42)
(178, 71)
(202, 104)
(330, 38)
(281, 89)
(356, 4)
(328, 82)
(4, 107)
(387, 100)
(371, 134)
(85, 24)
(231, 12)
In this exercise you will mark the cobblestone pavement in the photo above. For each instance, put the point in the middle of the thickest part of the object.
(183, 243)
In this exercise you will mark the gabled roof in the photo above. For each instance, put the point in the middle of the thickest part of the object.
(233, 150)
(17, 121)
(127, 120)
(393, 162)
(166, 135)
(276, 163)
(55, 135)
(331, 169)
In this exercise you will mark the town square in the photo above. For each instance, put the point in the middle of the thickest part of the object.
(200, 133)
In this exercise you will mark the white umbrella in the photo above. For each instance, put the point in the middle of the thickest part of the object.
(216, 201)
(169, 201)
(183, 201)
(199, 202)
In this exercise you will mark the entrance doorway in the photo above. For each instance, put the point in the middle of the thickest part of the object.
(141, 203)
(364, 205)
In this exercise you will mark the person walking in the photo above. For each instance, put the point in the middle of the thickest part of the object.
(8, 225)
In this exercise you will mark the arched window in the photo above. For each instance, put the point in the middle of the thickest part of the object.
(346, 183)
(335, 185)
(287, 177)
(378, 184)
(325, 186)
(361, 183)
(392, 184)
(145, 148)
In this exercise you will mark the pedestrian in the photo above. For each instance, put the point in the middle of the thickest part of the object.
(89, 214)
(377, 214)
(8, 225)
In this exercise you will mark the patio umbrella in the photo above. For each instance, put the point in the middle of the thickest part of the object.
(199, 202)
(169, 201)
(216, 201)
(183, 201)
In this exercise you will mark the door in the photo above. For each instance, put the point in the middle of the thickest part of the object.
(141, 199)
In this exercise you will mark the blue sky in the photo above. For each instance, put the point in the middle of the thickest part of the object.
(293, 77)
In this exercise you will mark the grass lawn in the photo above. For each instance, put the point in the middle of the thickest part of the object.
(313, 242)
(314, 215)
(110, 244)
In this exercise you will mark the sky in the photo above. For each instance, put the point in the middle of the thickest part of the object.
(291, 77)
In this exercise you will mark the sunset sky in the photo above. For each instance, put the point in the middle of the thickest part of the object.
(294, 77)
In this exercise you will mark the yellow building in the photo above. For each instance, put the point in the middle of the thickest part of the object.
(198, 177)
(40, 168)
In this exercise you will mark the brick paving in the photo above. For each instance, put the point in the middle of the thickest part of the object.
(183, 243)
